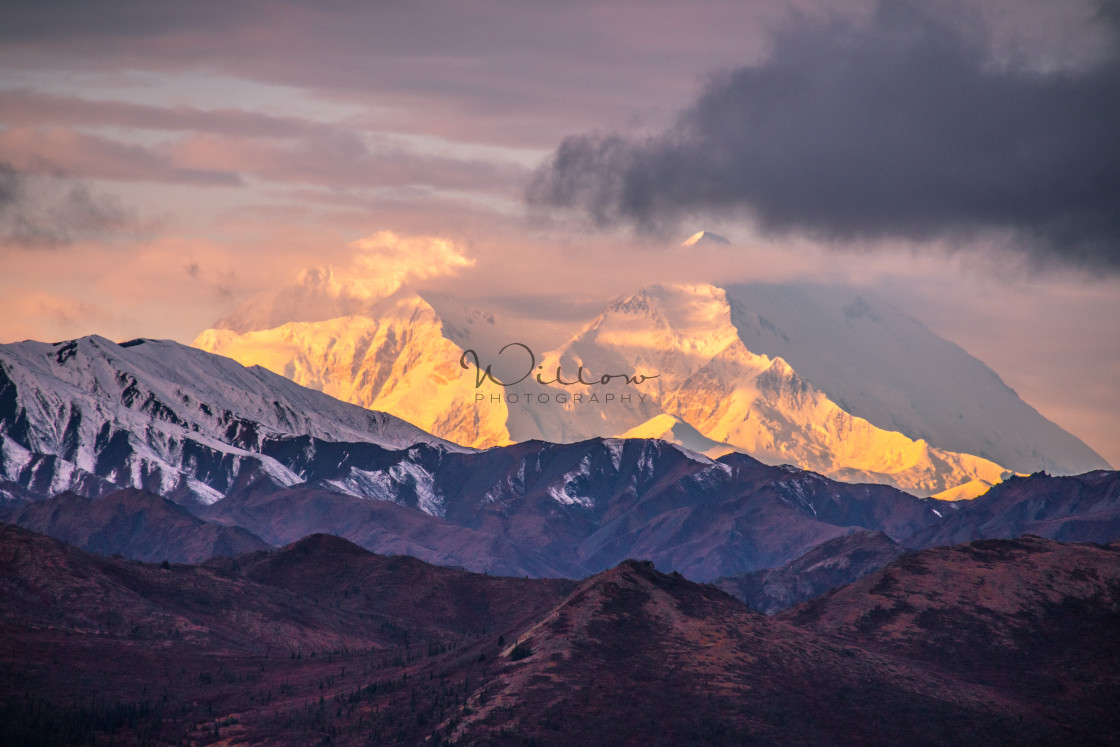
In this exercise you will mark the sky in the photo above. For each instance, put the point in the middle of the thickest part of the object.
(160, 165)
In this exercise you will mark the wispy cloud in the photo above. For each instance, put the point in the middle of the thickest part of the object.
(24, 107)
(343, 159)
(485, 72)
(46, 213)
(219, 147)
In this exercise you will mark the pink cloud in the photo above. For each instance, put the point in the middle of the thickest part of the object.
(61, 150)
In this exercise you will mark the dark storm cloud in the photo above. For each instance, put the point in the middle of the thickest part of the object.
(77, 19)
(42, 213)
(902, 127)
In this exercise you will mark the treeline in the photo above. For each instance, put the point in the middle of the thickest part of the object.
(36, 721)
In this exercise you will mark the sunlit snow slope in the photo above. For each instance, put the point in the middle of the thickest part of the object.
(878, 363)
(396, 358)
(815, 377)
(710, 380)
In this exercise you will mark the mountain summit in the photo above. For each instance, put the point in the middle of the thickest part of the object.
(704, 237)
(759, 404)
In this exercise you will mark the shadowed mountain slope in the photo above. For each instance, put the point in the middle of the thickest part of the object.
(1078, 508)
(323, 642)
(427, 599)
(1031, 616)
(829, 565)
(637, 657)
(135, 524)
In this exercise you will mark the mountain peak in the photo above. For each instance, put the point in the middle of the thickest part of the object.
(326, 545)
(704, 237)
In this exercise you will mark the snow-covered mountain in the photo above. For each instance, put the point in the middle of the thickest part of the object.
(816, 377)
(90, 415)
(398, 357)
(709, 379)
(880, 364)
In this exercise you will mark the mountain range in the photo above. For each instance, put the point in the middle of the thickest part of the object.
(254, 561)
(819, 377)
(996, 641)
(189, 454)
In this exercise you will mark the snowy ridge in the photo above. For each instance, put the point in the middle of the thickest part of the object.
(670, 428)
(406, 483)
(704, 237)
(92, 415)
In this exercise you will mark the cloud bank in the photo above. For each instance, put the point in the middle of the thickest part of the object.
(905, 126)
(381, 263)
(397, 260)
